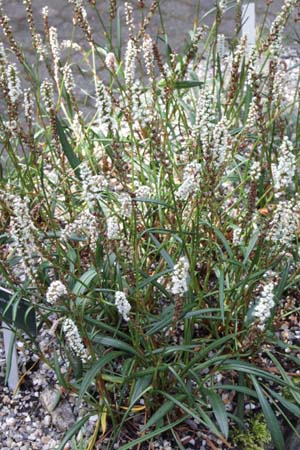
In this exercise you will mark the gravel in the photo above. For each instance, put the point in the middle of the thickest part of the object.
(38, 415)
(25, 423)
(24, 420)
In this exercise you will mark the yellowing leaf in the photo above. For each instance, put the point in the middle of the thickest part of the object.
(134, 409)
(104, 421)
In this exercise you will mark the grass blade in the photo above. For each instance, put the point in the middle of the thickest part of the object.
(94, 371)
(115, 343)
(271, 420)
(159, 414)
(151, 435)
(219, 411)
(67, 149)
(220, 276)
(73, 430)
(141, 385)
(84, 281)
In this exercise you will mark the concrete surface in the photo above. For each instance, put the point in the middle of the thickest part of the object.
(179, 16)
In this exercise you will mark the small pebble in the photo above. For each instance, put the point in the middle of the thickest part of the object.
(10, 421)
(47, 420)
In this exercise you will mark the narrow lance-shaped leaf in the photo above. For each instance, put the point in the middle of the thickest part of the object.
(219, 411)
(140, 386)
(159, 414)
(271, 420)
(151, 435)
(220, 276)
(67, 148)
(115, 343)
(73, 430)
(84, 282)
(95, 370)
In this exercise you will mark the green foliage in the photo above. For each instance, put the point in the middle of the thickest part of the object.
(255, 437)
(156, 236)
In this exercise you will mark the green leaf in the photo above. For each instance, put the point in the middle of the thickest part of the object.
(151, 435)
(76, 365)
(82, 285)
(224, 241)
(115, 343)
(232, 387)
(17, 311)
(282, 284)
(94, 371)
(166, 319)
(198, 414)
(185, 84)
(71, 256)
(73, 430)
(149, 371)
(153, 201)
(241, 366)
(271, 420)
(77, 237)
(219, 411)
(290, 385)
(248, 98)
(141, 386)
(9, 357)
(174, 349)
(58, 372)
(153, 278)
(114, 379)
(162, 251)
(159, 414)
(109, 328)
(202, 354)
(250, 247)
(220, 276)
(240, 410)
(286, 403)
(201, 312)
(67, 149)
(119, 38)
(188, 84)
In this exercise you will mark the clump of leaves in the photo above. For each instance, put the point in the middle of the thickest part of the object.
(255, 437)
(156, 236)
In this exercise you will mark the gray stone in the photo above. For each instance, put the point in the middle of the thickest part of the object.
(45, 439)
(10, 421)
(63, 417)
(18, 437)
(50, 398)
(32, 437)
(47, 421)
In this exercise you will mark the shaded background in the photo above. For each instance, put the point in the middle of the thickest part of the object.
(179, 17)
